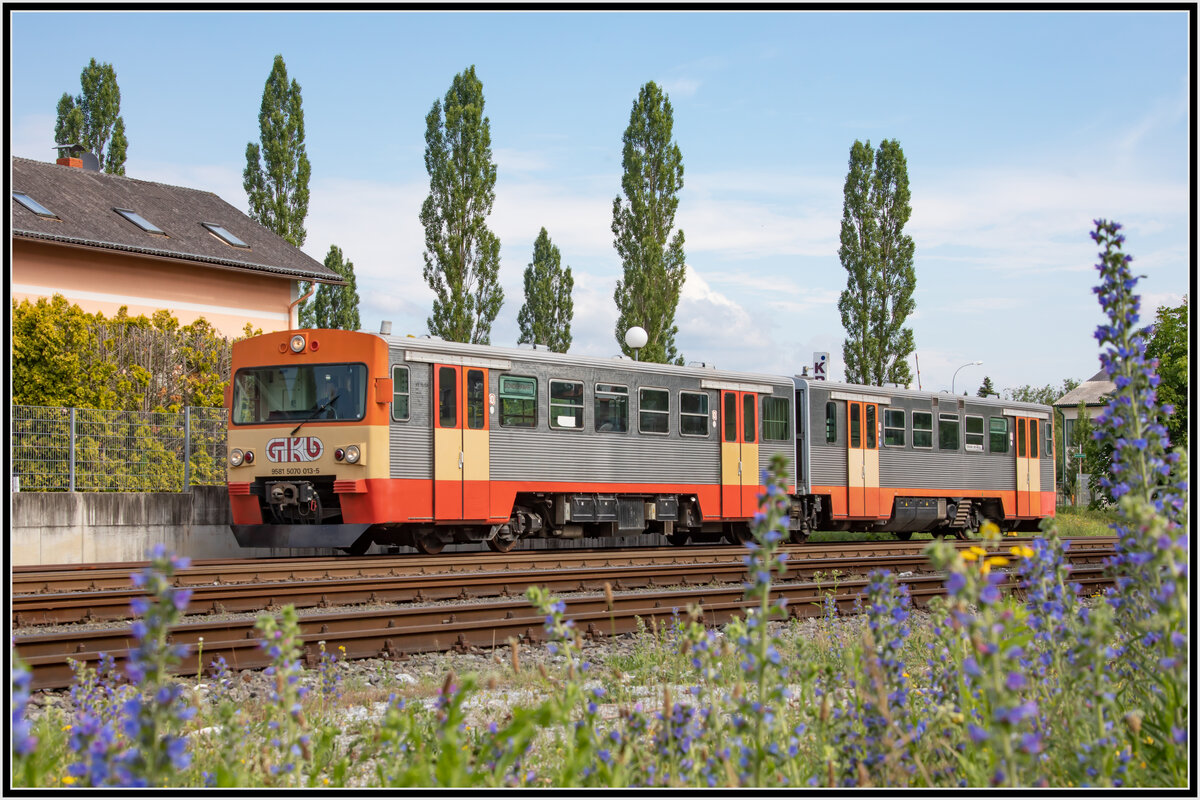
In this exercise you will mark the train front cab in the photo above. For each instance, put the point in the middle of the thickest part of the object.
(307, 437)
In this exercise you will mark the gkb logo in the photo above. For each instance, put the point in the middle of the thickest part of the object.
(300, 448)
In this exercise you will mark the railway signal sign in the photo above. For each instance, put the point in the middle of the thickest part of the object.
(819, 362)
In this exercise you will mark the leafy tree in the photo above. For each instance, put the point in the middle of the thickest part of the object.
(986, 388)
(276, 174)
(1169, 344)
(462, 257)
(546, 316)
(878, 258)
(93, 118)
(648, 294)
(1047, 395)
(336, 306)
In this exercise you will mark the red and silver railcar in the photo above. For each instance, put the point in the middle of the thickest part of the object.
(344, 439)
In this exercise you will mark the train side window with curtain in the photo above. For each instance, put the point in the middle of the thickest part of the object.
(566, 405)
(399, 393)
(998, 434)
(947, 431)
(893, 427)
(693, 414)
(518, 402)
(830, 422)
(611, 406)
(922, 422)
(1033, 438)
(775, 419)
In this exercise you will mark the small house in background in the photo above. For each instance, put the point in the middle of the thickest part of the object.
(106, 241)
(1093, 393)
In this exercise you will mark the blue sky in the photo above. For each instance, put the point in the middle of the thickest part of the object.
(1018, 128)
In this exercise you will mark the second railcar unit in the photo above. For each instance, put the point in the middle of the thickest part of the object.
(342, 439)
(889, 459)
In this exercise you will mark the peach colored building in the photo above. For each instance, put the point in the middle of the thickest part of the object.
(106, 241)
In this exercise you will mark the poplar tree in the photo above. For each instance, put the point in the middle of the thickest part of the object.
(462, 256)
(93, 118)
(653, 260)
(878, 258)
(546, 316)
(276, 174)
(336, 306)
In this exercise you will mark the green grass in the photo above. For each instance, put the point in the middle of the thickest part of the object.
(1074, 522)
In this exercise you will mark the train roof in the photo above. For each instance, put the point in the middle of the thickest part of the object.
(528, 354)
(896, 391)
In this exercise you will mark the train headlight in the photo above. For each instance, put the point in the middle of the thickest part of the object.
(298, 343)
(353, 454)
(235, 458)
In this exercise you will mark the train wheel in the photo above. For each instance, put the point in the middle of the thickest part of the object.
(678, 539)
(738, 533)
(429, 544)
(501, 545)
(962, 533)
(904, 536)
(798, 537)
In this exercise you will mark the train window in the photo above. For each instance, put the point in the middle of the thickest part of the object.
(399, 393)
(775, 414)
(731, 417)
(831, 422)
(922, 422)
(1049, 448)
(476, 400)
(749, 424)
(566, 405)
(947, 431)
(855, 425)
(872, 426)
(973, 432)
(654, 410)
(447, 397)
(1033, 438)
(1020, 437)
(693, 413)
(611, 405)
(518, 402)
(998, 434)
(893, 427)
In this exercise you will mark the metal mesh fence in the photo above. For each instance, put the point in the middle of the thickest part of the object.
(95, 450)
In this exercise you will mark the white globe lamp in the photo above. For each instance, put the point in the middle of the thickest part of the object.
(635, 339)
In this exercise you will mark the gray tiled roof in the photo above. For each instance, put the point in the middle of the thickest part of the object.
(84, 201)
(1093, 392)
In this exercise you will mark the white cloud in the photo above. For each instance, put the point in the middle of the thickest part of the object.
(681, 87)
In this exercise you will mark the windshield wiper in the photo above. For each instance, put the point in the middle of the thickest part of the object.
(313, 415)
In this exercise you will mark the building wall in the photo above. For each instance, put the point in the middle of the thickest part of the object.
(99, 280)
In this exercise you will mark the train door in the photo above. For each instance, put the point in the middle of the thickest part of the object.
(739, 454)
(461, 447)
(1029, 469)
(862, 464)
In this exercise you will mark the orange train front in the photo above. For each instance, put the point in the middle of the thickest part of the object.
(343, 439)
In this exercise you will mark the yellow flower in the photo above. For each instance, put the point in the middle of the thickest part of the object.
(997, 561)
(66, 727)
(1021, 552)
(967, 555)
(68, 780)
(977, 550)
(985, 568)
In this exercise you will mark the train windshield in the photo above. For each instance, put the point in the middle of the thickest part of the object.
(299, 392)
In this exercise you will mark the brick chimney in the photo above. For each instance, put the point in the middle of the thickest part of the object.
(73, 155)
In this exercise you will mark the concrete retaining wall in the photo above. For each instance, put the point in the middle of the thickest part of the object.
(88, 527)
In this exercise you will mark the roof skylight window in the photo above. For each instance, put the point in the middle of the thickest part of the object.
(224, 235)
(139, 220)
(34, 205)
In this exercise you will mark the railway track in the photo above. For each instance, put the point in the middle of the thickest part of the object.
(711, 579)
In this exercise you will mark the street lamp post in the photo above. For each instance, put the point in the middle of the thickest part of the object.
(968, 364)
(635, 339)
